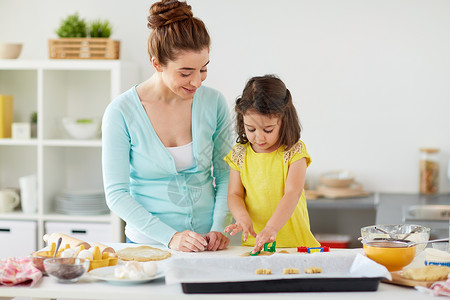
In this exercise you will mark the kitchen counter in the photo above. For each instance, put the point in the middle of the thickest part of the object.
(88, 288)
(343, 216)
(391, 209)
(49, 289)
(348, 215)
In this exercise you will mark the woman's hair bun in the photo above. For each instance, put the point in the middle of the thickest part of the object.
(165, 12)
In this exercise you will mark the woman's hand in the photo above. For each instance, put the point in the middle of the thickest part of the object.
(245, 227)
(267, 235)
(188, 241)
(216, 241)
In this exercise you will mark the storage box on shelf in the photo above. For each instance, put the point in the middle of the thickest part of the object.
(56, 89)
(84, 48)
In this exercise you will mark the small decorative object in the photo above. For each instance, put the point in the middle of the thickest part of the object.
(6, 115)
(33, 120)
(79, 39)
(21, 130)
(10, 51)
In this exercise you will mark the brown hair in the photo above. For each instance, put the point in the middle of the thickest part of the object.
(269, 96)
(174, 29)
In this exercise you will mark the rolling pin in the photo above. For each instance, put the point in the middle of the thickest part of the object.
(104, 248)
(66, 239)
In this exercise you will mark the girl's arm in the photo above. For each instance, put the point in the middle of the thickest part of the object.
(293, 190)
(237, 207)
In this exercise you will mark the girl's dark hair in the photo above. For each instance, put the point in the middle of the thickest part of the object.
(268, 95)
(174, 29)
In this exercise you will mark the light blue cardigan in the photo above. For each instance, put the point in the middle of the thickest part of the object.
(141, 182)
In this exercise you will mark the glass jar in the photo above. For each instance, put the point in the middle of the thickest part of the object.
(429, 171)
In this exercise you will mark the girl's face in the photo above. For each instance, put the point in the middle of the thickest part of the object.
(185, 75)
(262, 131)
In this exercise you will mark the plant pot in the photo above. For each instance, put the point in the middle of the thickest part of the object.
(84, 48)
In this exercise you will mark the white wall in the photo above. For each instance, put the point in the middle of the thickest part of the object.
(370, 79)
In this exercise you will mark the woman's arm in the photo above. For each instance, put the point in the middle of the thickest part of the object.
(222, 144)
(293, 190)
(116, 177)
(237, 207)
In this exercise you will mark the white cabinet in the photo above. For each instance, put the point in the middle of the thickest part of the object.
(56, 89)
(89, 232)
(17, 237)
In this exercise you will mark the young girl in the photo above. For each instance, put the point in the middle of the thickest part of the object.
(268, 167)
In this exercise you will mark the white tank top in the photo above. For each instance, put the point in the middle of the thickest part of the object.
(183, 156)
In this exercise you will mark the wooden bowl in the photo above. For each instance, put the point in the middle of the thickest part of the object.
(10, 51)
(337, 179)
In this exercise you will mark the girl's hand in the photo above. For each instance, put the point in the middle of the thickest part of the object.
(216, 241)
(188, 241)
(267, 235)
(238, 227)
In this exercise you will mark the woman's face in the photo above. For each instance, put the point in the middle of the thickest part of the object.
(184, 75)
(262, 131)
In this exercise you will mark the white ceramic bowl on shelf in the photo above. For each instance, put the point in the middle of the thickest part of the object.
(10, 51)
(82, 128)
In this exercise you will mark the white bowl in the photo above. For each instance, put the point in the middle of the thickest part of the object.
(10, 51)
(82, 128)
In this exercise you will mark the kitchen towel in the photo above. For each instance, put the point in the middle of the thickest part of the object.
(439, 288)
(18, 270)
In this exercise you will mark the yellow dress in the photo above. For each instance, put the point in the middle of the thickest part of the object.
(263, 176)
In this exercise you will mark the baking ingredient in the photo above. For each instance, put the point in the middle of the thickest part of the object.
(134, 270)
(150, 268)
(67, 272)
(391, 255)
(313, 270)
(66, 269)
(69, 253)
(263, 271)
(291, 271)
(142, 253)
(427, 273)
(86, 254)
(429, 171)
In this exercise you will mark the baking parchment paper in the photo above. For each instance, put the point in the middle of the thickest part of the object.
(339, 264)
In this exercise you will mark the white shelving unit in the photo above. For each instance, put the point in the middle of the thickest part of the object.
(55, 89)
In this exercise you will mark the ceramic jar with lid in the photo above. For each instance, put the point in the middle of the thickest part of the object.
(429, 171)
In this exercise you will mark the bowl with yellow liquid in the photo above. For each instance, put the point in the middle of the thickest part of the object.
(400, 232)
(394, 256)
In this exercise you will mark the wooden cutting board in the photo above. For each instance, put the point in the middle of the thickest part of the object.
(399, 280)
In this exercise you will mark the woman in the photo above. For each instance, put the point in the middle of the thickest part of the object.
(162, 137)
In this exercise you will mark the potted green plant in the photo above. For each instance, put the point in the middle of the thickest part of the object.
(79, 39)
(100, 29)
(72, 27)
(33, 121)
